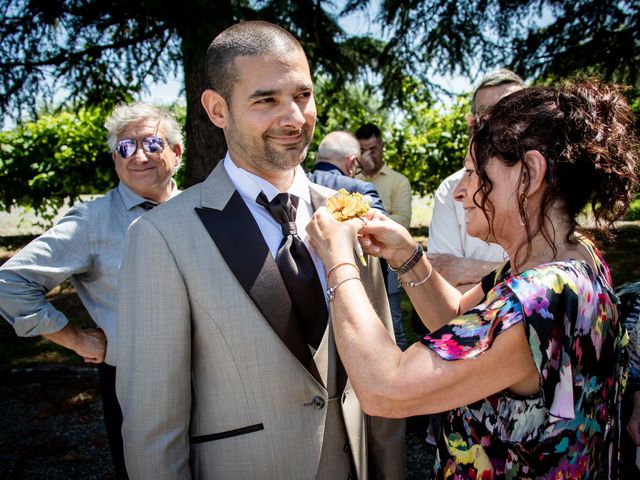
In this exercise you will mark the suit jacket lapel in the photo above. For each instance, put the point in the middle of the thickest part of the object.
(318, 200)
(238, 238)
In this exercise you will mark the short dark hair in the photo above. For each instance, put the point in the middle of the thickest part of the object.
(254, 38)
(368, 130)
(585, 133)
(501, 76)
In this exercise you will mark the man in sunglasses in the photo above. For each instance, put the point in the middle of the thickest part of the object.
(337, 162)
(86, 247)
(227, 367)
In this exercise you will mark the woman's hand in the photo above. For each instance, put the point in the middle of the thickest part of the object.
(378, 235)
(382, 237)
(333, 240)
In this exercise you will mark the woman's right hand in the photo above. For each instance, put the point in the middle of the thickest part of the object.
(383, 237)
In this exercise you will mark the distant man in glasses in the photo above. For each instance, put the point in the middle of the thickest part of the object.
(86, 247)
(337, 162)
(395, 191)
(227, 367)
(460, 258)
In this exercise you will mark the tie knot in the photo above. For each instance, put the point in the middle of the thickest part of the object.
(283, 209)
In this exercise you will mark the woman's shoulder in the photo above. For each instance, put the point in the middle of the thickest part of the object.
(577, 275)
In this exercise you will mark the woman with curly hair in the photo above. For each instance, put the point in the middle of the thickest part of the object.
(528, 363)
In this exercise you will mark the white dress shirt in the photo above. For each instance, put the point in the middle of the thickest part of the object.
(250, 185)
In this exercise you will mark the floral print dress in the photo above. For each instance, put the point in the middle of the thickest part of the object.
(570, 318)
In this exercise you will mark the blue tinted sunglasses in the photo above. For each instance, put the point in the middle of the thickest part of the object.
(128, 146)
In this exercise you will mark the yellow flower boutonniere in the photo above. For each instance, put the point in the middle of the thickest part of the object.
(345, 206)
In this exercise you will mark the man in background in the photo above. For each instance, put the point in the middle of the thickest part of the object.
(395, 191)
(460, 258)
(337, 162)
(86, 247)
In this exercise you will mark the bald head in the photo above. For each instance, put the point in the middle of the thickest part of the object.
(341, 149)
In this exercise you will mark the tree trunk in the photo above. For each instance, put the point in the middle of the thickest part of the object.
(206, 145)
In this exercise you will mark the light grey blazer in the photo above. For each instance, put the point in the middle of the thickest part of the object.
(213, 379)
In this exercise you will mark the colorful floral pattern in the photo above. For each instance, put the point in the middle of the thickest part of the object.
(564, 431)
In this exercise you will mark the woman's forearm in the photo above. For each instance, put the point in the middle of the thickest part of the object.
(366, 349)
(435, 300)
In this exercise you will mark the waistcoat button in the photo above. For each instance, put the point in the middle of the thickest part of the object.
(318, 403)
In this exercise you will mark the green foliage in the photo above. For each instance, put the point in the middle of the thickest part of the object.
(344, 108)
(55, 159)
(90, 51)
(427, 144)
(180, 112)
(633, 214)
(62, 156)
(424, 142)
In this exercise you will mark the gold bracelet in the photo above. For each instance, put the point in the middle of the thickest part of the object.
(331, 291)
(412, 284)
(341, 264)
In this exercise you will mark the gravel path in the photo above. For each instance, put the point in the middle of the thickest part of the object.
(51, 427)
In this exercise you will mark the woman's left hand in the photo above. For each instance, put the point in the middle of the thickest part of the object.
(333, 240)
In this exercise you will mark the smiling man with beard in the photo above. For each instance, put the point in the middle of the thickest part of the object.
(227, 366)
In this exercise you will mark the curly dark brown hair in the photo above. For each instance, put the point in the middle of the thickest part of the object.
(584, 130)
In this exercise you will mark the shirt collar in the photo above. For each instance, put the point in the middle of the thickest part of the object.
(327, 167)
(384, 170)
(249, 185)
(131, 199)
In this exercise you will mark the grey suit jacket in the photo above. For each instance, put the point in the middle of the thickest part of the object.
(213, 379)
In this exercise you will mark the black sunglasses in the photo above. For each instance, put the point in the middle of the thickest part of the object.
(358, 167)
(128, 146)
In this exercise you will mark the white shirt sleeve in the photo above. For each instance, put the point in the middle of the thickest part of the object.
(445, 228)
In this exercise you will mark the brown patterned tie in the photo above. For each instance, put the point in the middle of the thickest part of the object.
(297, 269)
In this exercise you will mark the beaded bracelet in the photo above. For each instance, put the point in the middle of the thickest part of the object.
(338, 265)
(412, 284)
(409, 264)
(331, 291)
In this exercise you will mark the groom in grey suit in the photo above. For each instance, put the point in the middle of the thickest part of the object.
(224, 370)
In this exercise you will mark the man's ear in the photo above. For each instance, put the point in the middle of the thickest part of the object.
(216, 107)
(537, 170)
(469, 118)
(177, 149)
(350, 165)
